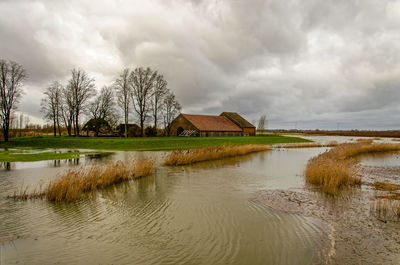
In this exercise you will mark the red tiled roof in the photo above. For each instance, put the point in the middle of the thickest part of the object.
(237, 119)
(212, 123)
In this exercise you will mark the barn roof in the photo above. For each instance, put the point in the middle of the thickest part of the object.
(237, 119)
(212, 123)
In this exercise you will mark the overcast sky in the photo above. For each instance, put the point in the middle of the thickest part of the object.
(305, 64)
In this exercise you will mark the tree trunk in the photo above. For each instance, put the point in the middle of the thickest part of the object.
(5, 133)
(58, 126)
(77, 124)
(126, 123)
(55, 127)
(141, 127)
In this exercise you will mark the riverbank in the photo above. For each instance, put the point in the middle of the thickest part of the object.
(142, 144)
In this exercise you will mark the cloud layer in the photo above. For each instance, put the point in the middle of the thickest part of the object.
(306, 64)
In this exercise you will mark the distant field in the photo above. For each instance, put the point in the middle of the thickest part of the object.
(141, 144)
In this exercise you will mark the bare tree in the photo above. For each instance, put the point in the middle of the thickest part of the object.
(12, 76)
(171, 109)
(159, 92)
(142, 82)
(82, 87)
(51, 105)
(103, 105)
(122, 85)
(67, 109)
(261, 123)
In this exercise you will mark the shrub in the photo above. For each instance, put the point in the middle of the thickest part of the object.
(150, 131)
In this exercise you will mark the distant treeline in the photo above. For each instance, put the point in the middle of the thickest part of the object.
(142, 93)
(354, 133)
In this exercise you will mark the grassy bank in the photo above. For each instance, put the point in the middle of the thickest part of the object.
(23, 156)
(142, 144)
(337, 168)
(73, 184)
(185, 157)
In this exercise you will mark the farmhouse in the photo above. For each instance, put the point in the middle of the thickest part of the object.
(226, 124)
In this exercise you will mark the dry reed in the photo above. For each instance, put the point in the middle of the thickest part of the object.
(386, 186)
(74, 183)
(184, 157)
(337, 168)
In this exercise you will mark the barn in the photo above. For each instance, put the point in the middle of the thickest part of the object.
(226, 124)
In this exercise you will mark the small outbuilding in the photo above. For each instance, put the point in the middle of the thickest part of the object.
(226, 124)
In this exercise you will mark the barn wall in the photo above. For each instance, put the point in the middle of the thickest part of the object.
(249, 131)
(181, 122)
(219, 133)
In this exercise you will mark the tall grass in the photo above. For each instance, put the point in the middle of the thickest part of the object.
(384, 186)
(184, 157)
(337, 168)
(74, 183)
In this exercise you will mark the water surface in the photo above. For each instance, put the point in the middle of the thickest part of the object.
(200, 214)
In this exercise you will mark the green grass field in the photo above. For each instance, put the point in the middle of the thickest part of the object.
(141, 144)
(24, 156)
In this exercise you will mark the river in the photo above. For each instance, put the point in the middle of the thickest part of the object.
(199, 214)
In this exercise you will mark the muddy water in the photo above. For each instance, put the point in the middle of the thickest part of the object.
(209, 213)
(200, 214)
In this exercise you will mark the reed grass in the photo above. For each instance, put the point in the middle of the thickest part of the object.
(190, 156)
(307, 145)
(73, 184)
(337, 168)
(384, 186)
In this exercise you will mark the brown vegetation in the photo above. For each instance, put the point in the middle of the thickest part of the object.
(337, 168)
(184, 157)
(74, 183)
(386, 186)
(306, 145)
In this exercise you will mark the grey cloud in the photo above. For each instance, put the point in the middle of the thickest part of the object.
(312, 63)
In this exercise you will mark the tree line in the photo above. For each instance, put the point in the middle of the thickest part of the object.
(142, 91)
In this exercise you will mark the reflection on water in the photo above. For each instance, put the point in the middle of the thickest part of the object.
(199, 214)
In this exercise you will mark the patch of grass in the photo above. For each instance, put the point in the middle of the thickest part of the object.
(386, 186)
(184, 157)
(23, 156)
(73, 184)
(337, 168)
(142, 144)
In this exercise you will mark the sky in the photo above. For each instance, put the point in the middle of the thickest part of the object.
(306, 64)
